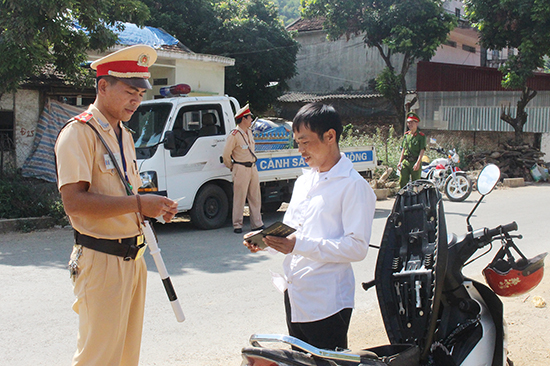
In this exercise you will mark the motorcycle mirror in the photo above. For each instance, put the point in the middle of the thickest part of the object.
(487, 179)
(486, 182)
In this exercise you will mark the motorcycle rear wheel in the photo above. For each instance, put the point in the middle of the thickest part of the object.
(458, 190)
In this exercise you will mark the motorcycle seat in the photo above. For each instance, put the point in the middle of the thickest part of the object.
(396, 354)
(365, 353)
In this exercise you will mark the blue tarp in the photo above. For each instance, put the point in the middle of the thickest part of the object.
(132, 35)
(271, 136)
(41, 161)
(150, 36)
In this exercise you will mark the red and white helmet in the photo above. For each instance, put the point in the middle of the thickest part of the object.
(508, 277)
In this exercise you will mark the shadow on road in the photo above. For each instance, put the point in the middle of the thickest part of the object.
(183, 247)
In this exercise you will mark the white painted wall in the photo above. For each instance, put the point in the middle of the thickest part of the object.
(457, 55)
(202, 77)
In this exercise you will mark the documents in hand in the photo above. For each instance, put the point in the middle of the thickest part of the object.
(277, 229)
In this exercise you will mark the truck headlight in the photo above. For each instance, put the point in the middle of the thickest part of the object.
(149, 182)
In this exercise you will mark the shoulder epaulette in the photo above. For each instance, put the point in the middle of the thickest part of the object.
(83, 117)
(421, 133)
(234, 132)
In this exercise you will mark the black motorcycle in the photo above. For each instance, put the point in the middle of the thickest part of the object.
(433, 315)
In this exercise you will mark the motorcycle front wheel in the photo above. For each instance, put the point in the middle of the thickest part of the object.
(457, 190)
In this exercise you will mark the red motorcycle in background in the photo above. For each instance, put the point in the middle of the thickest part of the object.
(447, 176)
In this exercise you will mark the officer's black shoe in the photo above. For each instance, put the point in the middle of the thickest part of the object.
(259, 228)
(238, 230)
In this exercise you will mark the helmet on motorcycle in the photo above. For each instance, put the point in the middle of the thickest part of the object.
(512, 278)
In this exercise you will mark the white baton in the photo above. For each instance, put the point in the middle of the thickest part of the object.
(151, 239)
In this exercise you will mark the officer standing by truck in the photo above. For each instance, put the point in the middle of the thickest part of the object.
(414, 145)
(239, 157)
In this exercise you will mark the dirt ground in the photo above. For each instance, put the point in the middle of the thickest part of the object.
(528, 327)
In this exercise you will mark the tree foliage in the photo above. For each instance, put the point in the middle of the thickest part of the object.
(289, 10)
(190, 21)
(36, 33)
(247, 30)
(412, 28)
(264, 52)
(523, 25)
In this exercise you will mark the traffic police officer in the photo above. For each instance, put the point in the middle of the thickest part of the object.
(414, 145)
(238, 156)
(109, 276)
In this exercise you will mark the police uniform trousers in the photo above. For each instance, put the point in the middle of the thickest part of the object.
(246, 187)
(110, 298)
(407, 171)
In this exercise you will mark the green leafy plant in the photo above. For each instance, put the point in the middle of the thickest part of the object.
(22, 197)
(387, 144)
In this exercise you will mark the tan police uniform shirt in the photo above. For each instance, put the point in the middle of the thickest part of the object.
(81, 157)
(237, 145)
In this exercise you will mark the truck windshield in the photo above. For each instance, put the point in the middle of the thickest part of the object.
(148, 123)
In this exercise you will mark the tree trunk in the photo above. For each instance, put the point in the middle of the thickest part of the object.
(519, 121)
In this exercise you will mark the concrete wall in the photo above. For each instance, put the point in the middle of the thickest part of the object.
(545, 146)
(27, 111)
(25, 105)
(327, 66)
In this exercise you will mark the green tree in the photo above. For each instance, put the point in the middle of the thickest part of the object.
(412, 28)
(264, 52)
(247, 30)
(289, 10)
(39, 33)
(190, 21)
(523, 25)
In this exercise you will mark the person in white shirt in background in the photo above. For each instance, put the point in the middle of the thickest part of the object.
(332, 209)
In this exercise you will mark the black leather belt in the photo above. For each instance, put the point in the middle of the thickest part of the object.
(411, 159)
(247, 164)
(127, 248)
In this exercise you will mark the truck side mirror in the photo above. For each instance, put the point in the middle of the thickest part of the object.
(169, 140)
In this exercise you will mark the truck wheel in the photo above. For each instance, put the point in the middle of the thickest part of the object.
(210, 208)
(270, 206)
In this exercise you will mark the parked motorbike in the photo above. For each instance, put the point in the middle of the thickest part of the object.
(433, 314)
(447, 177)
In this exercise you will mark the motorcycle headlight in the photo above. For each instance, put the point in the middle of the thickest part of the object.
(149, 182)
(456, 159)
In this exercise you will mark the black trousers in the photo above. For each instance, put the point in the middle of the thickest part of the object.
(329, 333)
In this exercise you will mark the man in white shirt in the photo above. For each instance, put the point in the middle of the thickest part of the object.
(332, 208)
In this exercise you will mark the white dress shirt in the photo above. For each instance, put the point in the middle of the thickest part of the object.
(332, 213)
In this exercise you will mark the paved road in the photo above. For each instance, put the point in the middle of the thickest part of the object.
(225, 291)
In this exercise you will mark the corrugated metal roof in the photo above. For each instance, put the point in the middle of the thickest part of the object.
(435, 76)
(488, 119)
(299, 97)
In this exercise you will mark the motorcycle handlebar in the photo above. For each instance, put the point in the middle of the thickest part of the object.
(500, 229)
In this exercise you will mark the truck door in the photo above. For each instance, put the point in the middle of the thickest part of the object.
(199, 132)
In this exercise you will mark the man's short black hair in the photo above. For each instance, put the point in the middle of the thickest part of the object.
(110, 79)
(319, 118)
